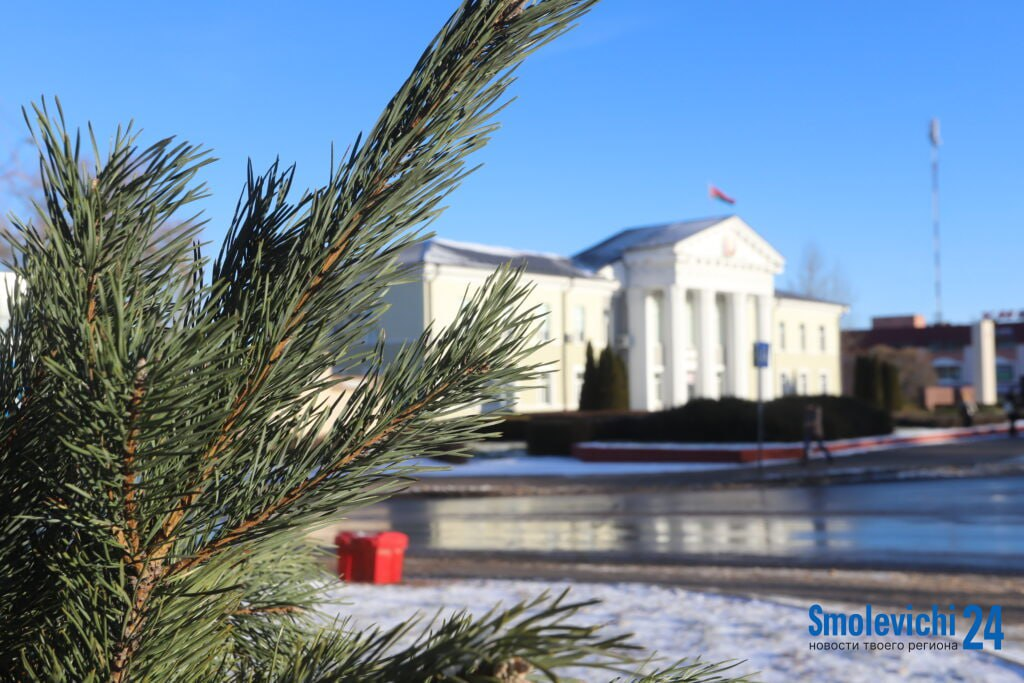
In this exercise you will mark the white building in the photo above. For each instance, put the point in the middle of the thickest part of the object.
(576, 303)
(7, 283)
(683, 302)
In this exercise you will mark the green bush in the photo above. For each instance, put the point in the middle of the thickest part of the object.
(605, 384)
(877, 382)
(590, 393)
(727, 420)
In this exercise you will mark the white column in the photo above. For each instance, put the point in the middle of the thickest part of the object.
(764, 334)
(983, 342)
(739, 349)
(707, 345)
(675, 349)
(636, 317)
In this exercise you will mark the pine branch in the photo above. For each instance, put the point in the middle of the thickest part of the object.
(164, 445)
(385, 167)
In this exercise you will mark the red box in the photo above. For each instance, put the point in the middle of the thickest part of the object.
(371, 559)
(345, 554)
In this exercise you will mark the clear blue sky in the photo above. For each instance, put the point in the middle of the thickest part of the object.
(812, 114)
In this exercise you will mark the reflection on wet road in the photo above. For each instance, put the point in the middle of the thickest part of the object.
(961, 523)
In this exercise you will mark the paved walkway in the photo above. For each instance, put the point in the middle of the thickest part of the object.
(983, 456)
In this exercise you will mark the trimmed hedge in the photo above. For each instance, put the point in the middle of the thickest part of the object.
(706, 420)
(947, 416)
(556, 435)
(513, 427)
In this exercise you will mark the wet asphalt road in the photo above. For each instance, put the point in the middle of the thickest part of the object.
(970, 524)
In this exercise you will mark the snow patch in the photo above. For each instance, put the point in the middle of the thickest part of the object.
(678, 623)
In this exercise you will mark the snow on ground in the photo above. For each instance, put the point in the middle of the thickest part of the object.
(771, 636)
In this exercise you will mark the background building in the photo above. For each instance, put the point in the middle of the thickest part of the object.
(7, 283)
(807, 345)
(575, 303)
(987, 356)
(682, 302)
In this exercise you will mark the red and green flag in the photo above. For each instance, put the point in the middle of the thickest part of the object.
(715, 193)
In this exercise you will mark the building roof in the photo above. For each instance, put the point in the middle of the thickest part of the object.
(930, 336)
(470, 255)
(943, 335)
(786, 294)
(612, 249)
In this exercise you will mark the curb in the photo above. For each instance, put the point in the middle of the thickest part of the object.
(613, 451)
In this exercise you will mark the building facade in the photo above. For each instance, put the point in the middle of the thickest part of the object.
(574, 304)
(683, 303)
(807, 343)
(987, 355)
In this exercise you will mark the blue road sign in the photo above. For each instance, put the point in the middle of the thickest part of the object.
(760, 354)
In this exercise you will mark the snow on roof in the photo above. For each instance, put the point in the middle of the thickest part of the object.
(786, 294)
(471, 255)
(614, 247)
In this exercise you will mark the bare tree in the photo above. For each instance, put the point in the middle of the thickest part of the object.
(814, 276)
(21, 195)
(20, 186)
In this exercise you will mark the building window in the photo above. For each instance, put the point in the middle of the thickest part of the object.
(607, 327)
(579, 323)
(722, 318)
(655, 327)
(1004, 372)
(785, 386)
(824, 384)
(659, 389)
(505, 401)
(948, 371)
(547, 389)
(544, 329)
(803, 337)
(803, 383)
(693, 321)
(782, 336)
(822, 340)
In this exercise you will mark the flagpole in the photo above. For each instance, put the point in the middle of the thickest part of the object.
(936, 243)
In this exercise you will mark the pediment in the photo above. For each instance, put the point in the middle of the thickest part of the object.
(730, 243)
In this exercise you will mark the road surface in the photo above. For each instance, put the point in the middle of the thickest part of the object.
(960, 524)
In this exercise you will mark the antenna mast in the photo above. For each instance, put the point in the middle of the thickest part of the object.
(936, 140)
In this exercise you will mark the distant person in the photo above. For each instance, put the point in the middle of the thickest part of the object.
(1010, 408)
(968, 409)
(814, 431)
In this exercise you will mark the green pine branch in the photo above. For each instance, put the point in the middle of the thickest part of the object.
(165, 447)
